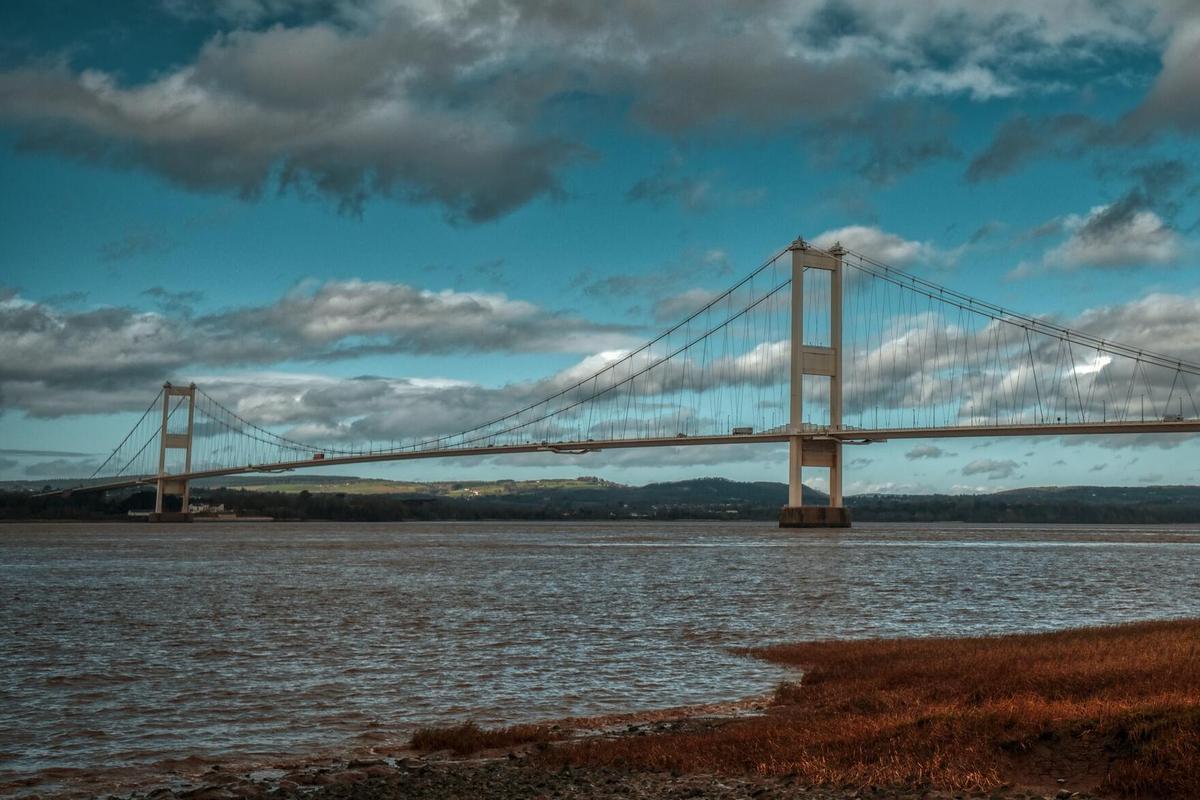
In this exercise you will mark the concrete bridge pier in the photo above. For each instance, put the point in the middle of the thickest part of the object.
(824, 361)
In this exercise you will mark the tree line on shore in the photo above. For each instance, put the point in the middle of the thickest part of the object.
(705, 498)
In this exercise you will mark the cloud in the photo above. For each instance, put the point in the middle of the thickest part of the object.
(424, 104)
(462, 105)
(965, 488)
(1121, 234)
(1022, 138)
(880, 245)
(1128, 232)
(992, 468)
(886, 141)
(1171, 101)
(1158, 441)
(692, 192)
(7, 463)
(655, 458)
(986, 231)
(926, 451)
(679, 306)
(118, 353)
(658, 283)
(174, 302)
(322, 110)
(61, 468)
(893, 375)
(987, 371)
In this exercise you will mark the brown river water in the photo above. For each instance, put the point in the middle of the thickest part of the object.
(127, 650)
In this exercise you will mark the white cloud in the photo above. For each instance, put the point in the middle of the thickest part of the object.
(993, 469)
(926, 451)
(888, 248)
(106, 357)
(1111, 237)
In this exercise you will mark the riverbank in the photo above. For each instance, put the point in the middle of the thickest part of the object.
(1099, 712)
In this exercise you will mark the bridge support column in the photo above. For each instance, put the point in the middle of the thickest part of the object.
(168, 486)
(815, 360)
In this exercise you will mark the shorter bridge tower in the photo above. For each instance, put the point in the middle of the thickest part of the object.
(172, 440)
(817, 360)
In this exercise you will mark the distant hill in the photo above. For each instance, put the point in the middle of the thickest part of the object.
(587, 497)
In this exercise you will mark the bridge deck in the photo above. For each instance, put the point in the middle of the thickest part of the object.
(853, 436)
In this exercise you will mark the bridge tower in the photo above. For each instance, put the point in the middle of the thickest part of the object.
(816, 360)
(168, 440)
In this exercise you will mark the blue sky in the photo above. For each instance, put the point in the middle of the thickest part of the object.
(173, 167)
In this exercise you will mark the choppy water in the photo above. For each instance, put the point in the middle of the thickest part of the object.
(134, 645)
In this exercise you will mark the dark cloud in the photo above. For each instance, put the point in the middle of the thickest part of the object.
(689, 191)
(264, 104)
(832, 22)
(1171, 101)
(889, 140)
(1162, 177)
(748, 79)
(985, 231)
(174, 302)
(1023, 138)
(44, 453)
(7, 463)
(456, 105)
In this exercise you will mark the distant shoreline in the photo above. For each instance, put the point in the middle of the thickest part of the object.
(591, 499)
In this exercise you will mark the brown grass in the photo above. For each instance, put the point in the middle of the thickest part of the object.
(469, 738)
(1114, 709)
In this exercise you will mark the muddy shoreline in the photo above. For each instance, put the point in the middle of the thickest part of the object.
(398, 772)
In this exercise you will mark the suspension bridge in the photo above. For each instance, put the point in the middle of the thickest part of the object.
(818, 348)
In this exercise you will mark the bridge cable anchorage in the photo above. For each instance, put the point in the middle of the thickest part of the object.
(915, 359)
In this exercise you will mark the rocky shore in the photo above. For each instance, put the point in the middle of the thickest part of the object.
(525, 772)
(515, 776)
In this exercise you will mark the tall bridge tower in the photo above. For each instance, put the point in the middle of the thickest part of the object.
(815, 360)
(170, 440)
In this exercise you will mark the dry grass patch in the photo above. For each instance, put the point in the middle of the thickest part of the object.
(469, 738)
(1113, 709)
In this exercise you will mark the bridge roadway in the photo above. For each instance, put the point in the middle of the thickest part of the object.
(845, 435)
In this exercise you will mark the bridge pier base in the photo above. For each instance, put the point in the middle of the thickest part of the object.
(814, 517)
(169, 516)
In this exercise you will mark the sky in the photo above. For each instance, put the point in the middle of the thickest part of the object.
(331, 212)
